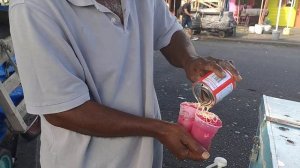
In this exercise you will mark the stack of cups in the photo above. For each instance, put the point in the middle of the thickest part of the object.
(195, 124)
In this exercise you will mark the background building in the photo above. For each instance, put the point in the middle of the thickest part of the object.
(238, 7)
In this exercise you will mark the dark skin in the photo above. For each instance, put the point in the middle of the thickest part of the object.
(94, 119)
(182, 54)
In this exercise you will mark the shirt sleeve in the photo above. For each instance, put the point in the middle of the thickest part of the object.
(50, 73)
(165, 25)
(185, 6)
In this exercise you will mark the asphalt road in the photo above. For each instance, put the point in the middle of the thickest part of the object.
(266, 69)
(270, 70)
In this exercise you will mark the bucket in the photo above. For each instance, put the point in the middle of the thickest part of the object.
(251, 29)
(267, 28)
(258, 29)
(286, 31)
(275, 34)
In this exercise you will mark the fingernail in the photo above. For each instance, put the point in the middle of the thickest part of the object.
(205, 155)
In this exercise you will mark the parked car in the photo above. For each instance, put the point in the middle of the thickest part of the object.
(221, 23)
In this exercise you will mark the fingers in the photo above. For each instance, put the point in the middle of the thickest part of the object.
(192, 155)
(195, 150)
(196, 156)
(183, 154)
(230, 67)
(182, 144)
(188, 141)
(195, 69)
(200, 66)
(214, 67)
(196, 76)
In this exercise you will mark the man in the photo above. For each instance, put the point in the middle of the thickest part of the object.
(86, 67)
(187, 19)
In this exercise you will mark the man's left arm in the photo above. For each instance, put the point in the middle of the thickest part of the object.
(180, 52)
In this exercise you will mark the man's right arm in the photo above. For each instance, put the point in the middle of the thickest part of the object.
(98, 120)
(95, 119)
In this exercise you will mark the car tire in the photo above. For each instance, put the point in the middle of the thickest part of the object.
(222, 34)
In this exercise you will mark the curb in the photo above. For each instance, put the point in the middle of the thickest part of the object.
(254, 41)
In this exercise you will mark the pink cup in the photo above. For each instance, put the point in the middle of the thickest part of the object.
(203, 131)
(187, 115)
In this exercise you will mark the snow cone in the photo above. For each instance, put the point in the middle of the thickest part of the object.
(205, 126)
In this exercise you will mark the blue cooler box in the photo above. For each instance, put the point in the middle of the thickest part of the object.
(277, 144)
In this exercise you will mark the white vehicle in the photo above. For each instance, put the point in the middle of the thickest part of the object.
(223, 23)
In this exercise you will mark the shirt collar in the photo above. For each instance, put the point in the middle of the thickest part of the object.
(81, 2)
(125, 6)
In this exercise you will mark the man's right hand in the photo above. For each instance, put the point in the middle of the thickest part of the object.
(181, 143)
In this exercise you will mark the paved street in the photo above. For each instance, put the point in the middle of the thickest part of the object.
(242, 34)
(270, 70)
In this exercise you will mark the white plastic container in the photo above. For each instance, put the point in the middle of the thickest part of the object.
(251, 29)
(258, 29)
(286, 31)
(267, 28)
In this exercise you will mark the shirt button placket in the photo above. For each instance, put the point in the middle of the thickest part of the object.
(113, 20)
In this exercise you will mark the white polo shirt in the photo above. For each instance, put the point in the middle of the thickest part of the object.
(71, 51)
